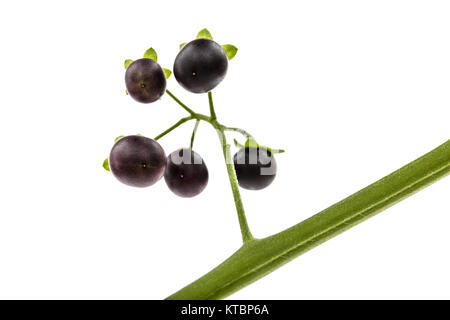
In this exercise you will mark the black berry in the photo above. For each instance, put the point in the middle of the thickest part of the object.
(255, 168)
(145, 80)
(201, 65)
(137, 161)
(186, 173)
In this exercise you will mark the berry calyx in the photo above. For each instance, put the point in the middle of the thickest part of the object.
(255, 168)
(186, 173)
(137, 161)
(145, 80)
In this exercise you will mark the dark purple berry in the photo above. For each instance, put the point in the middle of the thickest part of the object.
(145, 80)
(137, 161)
(186, 173)
(201, 65)
(255, 168)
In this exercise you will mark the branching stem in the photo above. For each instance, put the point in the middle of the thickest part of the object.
(258, 257)
(245, 230)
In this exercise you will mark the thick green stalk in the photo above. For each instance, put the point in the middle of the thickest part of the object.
(257, 258)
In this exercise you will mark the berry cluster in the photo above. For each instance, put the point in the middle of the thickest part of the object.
(139, 161)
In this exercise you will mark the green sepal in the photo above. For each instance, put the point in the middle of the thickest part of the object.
(230, 50)
(204, 34)
(182, 45)
(273, 150)
(151, 54)
(251, 143)
(167, 72)
(106, 164)
(127, 63)
(126, 92)
(118, 138)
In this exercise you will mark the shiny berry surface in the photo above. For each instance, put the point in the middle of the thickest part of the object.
(145, 80)
(201, 65)
(137, 161)
(186, 173)
(256, 168)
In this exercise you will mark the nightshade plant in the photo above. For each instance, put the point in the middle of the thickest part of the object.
(139, 161)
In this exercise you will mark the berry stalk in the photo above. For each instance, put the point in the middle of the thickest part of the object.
(193, 133)
(211, 106)
(180, 103)
(176, 125)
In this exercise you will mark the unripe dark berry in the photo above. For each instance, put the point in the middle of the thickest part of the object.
(137, 161)
(186, 173)
(201, 65)
(255, 168)
(145, 80)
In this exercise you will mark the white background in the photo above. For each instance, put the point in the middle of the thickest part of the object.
(351, 89)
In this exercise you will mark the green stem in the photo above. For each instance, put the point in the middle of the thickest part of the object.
(245, 230)
(241, 131)
(211, 106)
(191, 112)
(258, 258)
(193, 133)
(243, 224)
(180, 122)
